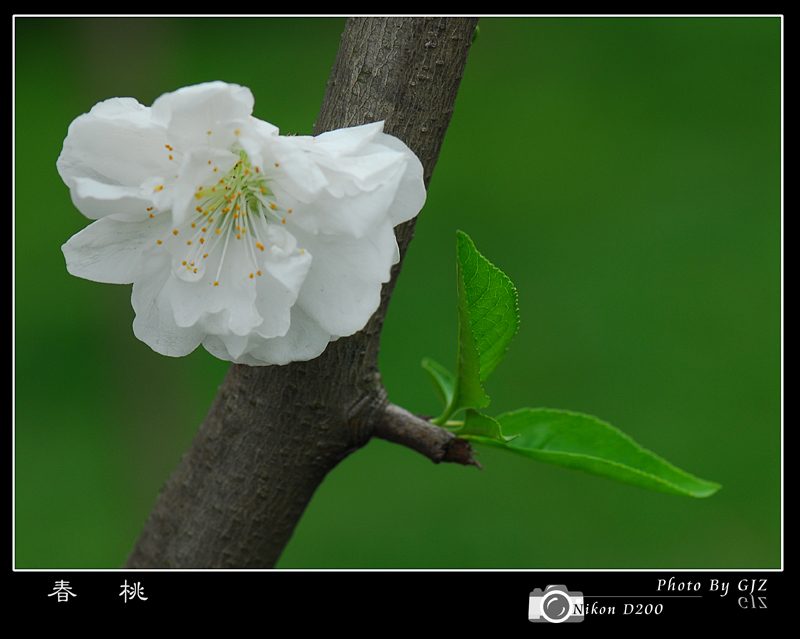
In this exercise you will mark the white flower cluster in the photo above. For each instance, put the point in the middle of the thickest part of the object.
(263, 248)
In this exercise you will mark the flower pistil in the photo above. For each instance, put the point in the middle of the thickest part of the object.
(238, 207)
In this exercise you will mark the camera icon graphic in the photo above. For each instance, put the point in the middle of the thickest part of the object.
(555, 604)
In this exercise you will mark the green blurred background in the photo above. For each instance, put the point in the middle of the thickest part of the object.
(624, 172)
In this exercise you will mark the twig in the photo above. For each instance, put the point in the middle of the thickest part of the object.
(399, 426)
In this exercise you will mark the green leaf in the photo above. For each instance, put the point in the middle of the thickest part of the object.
(487, 306)
(582, 442)
(443, 380)
(487, 322)
(476, 423)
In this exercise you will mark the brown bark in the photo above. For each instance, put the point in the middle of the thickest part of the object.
(273, 433)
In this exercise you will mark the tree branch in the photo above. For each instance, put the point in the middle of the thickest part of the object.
(396, 424)
(274, 432)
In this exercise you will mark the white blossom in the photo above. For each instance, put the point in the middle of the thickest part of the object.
(263, 248)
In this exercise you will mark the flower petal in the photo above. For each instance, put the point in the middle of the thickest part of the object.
(97, 199)
(345, 291)
(410, 194)
(117, 142)
(303, 341)
(192, 300)
(285, 271)
(154, 323)
(197, 116)
(350, 180)
(112, 251)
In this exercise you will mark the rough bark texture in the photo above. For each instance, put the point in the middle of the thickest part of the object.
(273, 433)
